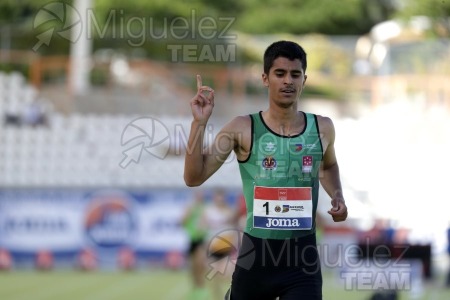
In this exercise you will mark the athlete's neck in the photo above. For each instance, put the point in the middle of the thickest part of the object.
(284, 121)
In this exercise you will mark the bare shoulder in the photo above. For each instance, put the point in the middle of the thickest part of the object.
(326, 125)
(240, 130)
(326, 128)
(243, 120)
(239, 124)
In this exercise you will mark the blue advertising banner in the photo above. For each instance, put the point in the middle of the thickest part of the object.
(67, 221)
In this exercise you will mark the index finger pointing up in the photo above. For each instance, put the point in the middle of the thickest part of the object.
(199, 82)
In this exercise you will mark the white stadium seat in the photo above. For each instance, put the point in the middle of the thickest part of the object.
(84, 150)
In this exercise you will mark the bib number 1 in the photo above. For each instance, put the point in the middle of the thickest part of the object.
(282, 208)
(266, 205)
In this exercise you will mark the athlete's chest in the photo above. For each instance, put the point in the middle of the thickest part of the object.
(276, 157)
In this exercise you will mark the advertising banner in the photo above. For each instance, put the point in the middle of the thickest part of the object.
(61, 220)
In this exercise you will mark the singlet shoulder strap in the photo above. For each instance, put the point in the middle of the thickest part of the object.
(313, 130)
(258, 125)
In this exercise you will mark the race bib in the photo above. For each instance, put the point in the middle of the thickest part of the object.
(282, 208)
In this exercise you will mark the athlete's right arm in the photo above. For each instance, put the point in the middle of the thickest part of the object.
(201, 163)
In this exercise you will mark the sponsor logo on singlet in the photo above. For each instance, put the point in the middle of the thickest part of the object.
(282, 223)
(269, 163)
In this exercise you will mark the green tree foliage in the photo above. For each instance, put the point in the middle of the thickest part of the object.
(343, 17)
(299, 17)
(269, 16)
(18, 11)
(438, 11)
(259, 16)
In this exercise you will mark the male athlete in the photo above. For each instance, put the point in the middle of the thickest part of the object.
(282, 153)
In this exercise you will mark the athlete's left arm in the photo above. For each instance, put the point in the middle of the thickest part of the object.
(329, 172)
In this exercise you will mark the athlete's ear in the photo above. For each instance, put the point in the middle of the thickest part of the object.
(265, 79)
(304, 80)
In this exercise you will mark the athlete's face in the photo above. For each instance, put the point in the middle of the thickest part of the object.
(285, 80)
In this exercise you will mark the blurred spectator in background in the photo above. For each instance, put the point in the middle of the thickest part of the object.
(219, 218)
(21, 103)
(12, 114)
(33, 113)
(197, 253)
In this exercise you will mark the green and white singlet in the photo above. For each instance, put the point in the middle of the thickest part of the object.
(192, 226)
(281, 180)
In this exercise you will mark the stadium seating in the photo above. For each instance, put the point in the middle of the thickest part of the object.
(85, 150)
